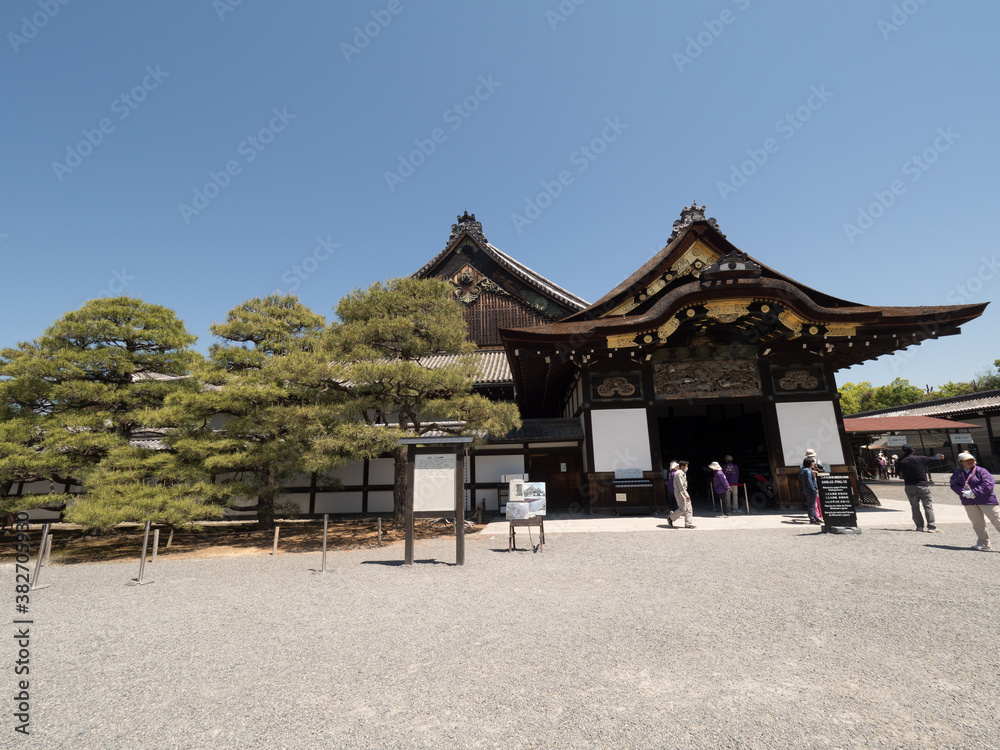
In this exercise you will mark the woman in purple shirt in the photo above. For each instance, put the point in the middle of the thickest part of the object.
(975, 486)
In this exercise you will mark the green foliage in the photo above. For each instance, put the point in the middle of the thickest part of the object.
(862, 397)
(265, 406)
(73, 399)
(384, 339)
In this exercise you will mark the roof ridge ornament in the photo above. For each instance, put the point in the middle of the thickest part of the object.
(467, 223)
(689, 215)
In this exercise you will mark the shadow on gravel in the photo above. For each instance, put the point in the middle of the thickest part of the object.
(953, 547)
(396, 563)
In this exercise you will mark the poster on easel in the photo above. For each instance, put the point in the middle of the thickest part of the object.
(527, 500)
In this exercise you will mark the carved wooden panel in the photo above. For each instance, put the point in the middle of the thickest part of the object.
(707, 379)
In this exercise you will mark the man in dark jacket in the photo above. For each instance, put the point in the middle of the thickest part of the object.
(913, 471)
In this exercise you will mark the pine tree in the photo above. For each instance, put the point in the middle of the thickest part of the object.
(263, 402)
(383, 340)
(77, 395)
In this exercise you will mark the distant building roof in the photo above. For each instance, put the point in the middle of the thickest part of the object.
(872, 425)
(970, 405)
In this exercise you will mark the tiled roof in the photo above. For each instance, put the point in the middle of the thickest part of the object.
(544, 429)
(890, 423)
(494, 368)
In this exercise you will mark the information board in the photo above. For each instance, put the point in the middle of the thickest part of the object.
(434, 483)
(836, 499)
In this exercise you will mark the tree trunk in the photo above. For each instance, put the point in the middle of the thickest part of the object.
(265, 503)
(399, 485)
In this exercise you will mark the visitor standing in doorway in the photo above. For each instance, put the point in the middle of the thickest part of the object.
(681, 496)
(975, 486)
(720, 485)
(912, 469)
(732, 472)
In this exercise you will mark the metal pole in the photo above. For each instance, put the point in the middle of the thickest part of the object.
(38, 562)
(326, 520)
(48, 550)
(274, 549)
(156, 545)
(380, 531)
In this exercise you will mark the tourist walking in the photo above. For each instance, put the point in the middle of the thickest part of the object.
(810, 488)
(721, 487)
(912, 469)
(668, 485)
(681, 496)
(974, 485)
(732, 472)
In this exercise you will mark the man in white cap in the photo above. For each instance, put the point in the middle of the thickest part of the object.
(975, 486)
(681, 496)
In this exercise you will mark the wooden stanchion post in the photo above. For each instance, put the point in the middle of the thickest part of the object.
(326, 521)
(38, 562)
(274, 549)
(142, 562)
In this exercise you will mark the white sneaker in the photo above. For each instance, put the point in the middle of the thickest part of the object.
(983, 547)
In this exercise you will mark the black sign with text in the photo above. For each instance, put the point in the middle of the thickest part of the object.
(836, 501)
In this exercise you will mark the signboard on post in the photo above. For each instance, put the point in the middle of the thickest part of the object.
(435, 486)
(434, 483)
(960, 438)
(836, 500)
(895, 440)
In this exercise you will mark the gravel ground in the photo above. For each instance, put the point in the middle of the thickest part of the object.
(781, 638)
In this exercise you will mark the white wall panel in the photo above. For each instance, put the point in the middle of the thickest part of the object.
(380, 502)
(491, 468)
(620, 439)
(352, 473)
(338, 502)
(809, 424)
(381, 471)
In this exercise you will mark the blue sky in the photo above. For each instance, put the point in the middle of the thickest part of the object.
(198, 153)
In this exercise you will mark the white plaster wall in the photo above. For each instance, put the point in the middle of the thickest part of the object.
(809, 424)
(352, 473)
(491, 468)
(338, 502)
(380, 502)
(621, 439)
(381, 471)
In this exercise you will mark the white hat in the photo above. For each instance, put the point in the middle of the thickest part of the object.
(965, 456)
(673, 464)
(810, 452)
(894, 455)
(715, 466)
